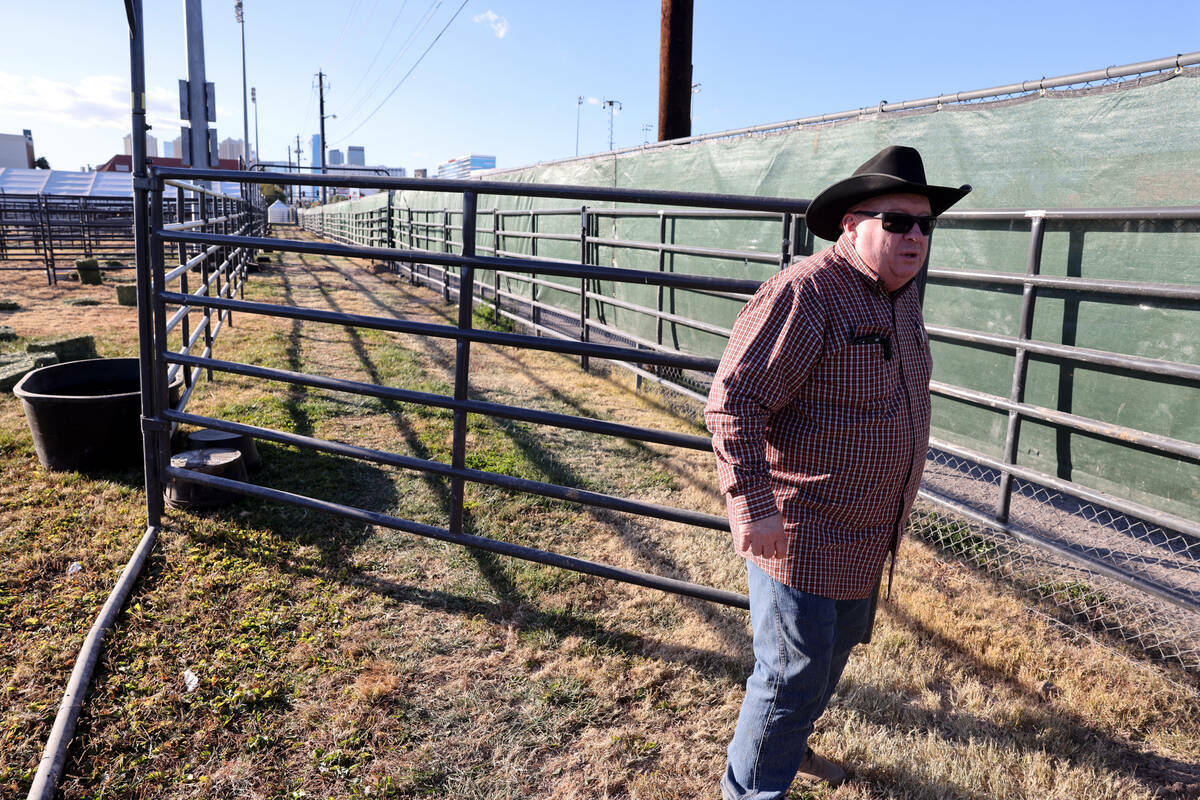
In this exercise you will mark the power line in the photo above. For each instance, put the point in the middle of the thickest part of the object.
(410, 72)
(345, 26)
(433, 7)
(386, 37)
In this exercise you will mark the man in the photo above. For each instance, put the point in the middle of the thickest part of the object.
(820, 419)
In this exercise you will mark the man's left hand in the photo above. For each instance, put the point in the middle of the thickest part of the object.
(763, 537)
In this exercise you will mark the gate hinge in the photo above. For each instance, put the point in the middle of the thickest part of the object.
(152, 425)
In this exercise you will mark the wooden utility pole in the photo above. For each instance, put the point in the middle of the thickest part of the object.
(675, 70)
(321, 94)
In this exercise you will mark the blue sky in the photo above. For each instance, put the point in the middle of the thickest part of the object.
(505, 75)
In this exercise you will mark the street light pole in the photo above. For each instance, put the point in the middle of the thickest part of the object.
(612, 106)
(578, 108)
(254, 100)
(237, 12)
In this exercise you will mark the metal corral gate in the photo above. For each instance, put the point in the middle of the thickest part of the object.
(162, 358)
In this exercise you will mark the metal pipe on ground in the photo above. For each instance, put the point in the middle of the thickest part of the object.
(45, 782)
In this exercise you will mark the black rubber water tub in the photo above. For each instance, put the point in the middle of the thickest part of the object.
(85, 415)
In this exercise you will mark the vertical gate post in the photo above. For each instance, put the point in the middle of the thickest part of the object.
(408, 231)
(785, 249)
(662, 267)
(141, 247)
(185, 326)
(533, 243)
(157, 431)
(48, 237)
(466, 292)
(391, 229)
(228, 261)
(496, 272)
(1020, 365)
(584, 225)
(202, 207)
(446, 249)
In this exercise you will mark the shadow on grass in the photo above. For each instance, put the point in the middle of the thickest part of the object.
(1050, 728)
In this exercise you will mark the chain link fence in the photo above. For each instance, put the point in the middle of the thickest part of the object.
(1081, 565)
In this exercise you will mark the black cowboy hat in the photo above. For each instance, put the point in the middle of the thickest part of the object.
(893, 170)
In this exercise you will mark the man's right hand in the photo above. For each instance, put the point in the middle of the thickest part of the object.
(762, 537)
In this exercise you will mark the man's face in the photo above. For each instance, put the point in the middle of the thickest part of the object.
(895, 257)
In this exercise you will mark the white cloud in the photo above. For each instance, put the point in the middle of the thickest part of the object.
(499, 24)
(94, 101)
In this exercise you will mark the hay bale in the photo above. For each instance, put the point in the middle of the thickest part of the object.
(66, 348)
(127, 294)
(15, 367)
(88, 270)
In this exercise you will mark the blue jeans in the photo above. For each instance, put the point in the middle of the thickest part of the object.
(801, 643)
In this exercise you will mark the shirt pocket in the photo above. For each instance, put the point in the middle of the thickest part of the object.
(860, 377)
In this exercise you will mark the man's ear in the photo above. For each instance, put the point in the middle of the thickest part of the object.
(849, 227)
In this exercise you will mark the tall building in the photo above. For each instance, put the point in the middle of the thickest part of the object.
(356, 156)
(232, 148)
(463, 167)
(316, 161)
(335, 158)
(174, 148)
(16, 150)
(151, 145)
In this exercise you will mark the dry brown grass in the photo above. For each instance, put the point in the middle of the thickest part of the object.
(337, 660)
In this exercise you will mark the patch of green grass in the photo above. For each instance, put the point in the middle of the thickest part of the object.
(15, 444)
(267, 411)
(958, 538)
(81, 301)
(1074, 592)
(533, 579)
(485, 317)
(565, 692)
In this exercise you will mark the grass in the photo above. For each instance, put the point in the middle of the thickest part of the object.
(337, 659)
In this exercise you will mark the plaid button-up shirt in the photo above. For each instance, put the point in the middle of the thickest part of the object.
(820, 410)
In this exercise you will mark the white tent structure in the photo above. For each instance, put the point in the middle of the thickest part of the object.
(279, 211)
(80, 184)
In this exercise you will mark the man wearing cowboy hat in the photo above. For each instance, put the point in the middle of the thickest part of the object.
(820, 419)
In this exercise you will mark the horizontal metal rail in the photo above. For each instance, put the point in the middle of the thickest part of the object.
(631, 432)
(565, 268)
(469, 540)
(1152, 367)
(608, 300)
(1116, 433)
(503, 188)
(1158, 291)
(540, 488)
(448, 332)
(707, 252)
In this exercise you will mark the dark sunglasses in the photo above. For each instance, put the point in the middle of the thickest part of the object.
(896, 222)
